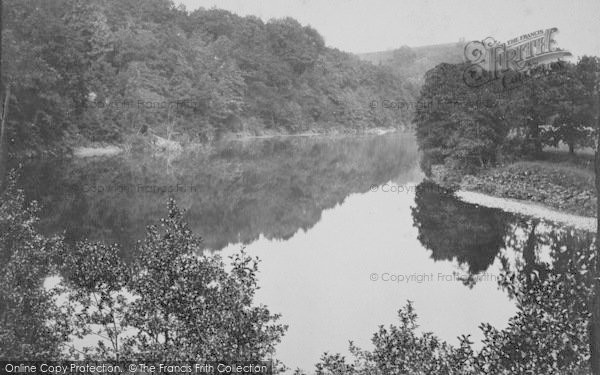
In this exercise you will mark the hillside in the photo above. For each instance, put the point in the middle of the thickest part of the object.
(107, 70)
(450, 53)
(411, 63)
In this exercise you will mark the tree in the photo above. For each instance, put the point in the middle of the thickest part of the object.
(3, 149)
(31, 327)
(590, 68)
(548, 333)
(46, 70)
(570, 101)
(456, 125)
(180, 303)
(399, 349)
(298, 46)
(173, 303)
(100, 71)
(530, 106)
(95, 278)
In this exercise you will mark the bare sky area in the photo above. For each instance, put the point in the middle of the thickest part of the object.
(375, 25)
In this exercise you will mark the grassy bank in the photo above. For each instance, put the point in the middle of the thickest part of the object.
(557, 180)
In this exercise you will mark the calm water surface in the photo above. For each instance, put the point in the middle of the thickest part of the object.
(344, 234)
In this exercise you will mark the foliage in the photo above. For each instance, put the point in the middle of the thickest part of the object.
(31, 327)
(102, 70)
(456, 124)
(504, 118)
(402, 350)
(173, 302)
(188, 307)
(549, 334)
(411, 63)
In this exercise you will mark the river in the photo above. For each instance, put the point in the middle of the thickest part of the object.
(345, 229)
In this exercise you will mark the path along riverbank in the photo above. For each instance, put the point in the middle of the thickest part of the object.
(528, 209)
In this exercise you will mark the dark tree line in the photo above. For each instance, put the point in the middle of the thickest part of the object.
(102, 70)
(472, 127)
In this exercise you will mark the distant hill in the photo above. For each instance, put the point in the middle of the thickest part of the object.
(448, 53)
(413, 62)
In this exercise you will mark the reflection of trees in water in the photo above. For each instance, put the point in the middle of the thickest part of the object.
(453, 229)
(544, 250)
(232, 193)
(476, 236)
(545, 268)
(551, 285)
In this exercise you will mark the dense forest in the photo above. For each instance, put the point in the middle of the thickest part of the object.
(465, 128)
(103, 71)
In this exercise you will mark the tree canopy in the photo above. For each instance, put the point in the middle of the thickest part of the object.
(102, 70)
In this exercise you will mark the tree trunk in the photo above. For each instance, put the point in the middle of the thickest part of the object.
(535, 138)
(595, 303)
(571, 148)
(3, 160)
(3, 148)
(4, 114)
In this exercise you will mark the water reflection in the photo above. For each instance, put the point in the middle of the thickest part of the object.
(453, 229)
(544, 267)
(476, 236)
(233, 192)
(306, 208)
(351, 272)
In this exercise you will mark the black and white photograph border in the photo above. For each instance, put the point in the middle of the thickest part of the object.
(341, 187)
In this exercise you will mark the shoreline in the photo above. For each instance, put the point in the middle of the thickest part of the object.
(557, 191)
(528, 208)
(115, 149)
(558, 186)
(88, 152)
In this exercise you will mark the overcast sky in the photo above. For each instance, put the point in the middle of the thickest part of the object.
(375, 25)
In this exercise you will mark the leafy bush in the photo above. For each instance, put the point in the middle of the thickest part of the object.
(549, 334)
(31, 327)
(173, 302)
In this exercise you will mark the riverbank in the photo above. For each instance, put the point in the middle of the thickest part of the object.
(87, 152)
(562, 186)
(159, 144)
(528, 208)
(556, 180)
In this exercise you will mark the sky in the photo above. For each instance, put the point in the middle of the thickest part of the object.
(375, 25)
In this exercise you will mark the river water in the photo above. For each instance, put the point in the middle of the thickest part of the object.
(345, 229)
